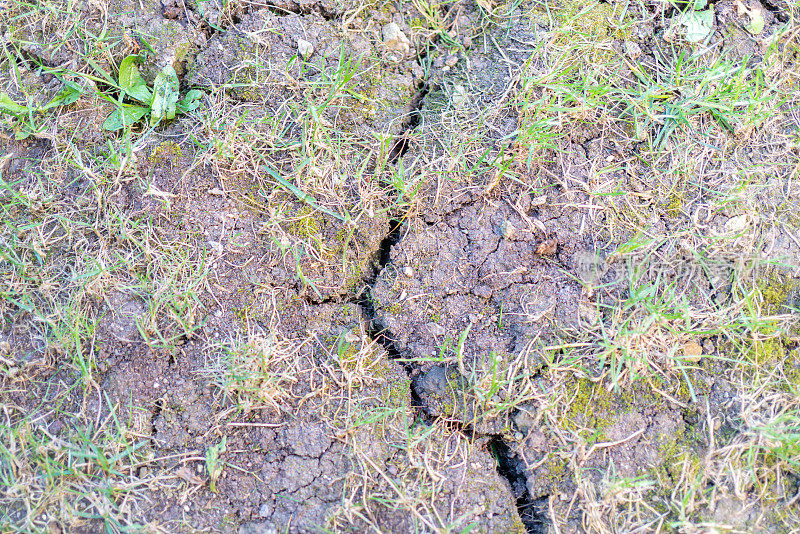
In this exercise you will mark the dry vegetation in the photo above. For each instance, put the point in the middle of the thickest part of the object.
(535, 270)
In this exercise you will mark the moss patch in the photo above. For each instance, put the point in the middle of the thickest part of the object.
(590, 411)
(167, 152)
(778, 293)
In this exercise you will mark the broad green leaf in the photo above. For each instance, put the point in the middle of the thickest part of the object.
(698, 24)
(128, 73)
(191, 101)
(132, 82)
(22, 133)
(124, 116)
(9, 106)
(141, 93)
(69, 94)
(165, 97)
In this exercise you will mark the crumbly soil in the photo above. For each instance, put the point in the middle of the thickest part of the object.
(535, 270)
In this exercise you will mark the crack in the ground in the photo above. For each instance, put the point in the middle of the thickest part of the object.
(294, 8)
(402, 143)
(376, 330)
(531, 512)
(774, 7)
(157, 409)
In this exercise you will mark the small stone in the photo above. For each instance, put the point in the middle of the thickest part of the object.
(408, 271)
(508, 230)
(304, 48)
(632, 49)
(265, 510)
(436, 329)
(5, 348)
(459, 96)
(483, 291)
(451, 60)
(708, 347)
(394, 39)
(467, 42)
(736, 225)
(692, 351)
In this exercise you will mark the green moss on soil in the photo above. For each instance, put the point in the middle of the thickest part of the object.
(592, 18)
(590, 413)
(166, 152)
(305, 223)
(777, 292)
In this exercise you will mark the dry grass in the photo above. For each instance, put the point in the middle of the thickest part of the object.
(681, 167)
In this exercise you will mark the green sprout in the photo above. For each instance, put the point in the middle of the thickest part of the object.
(161, 103)
(213, 464)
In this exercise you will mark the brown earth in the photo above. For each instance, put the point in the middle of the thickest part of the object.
(480, 321)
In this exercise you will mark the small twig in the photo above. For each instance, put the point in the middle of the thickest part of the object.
(607, 444)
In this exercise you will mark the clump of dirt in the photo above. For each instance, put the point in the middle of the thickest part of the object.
(261, 56)
(462, 275)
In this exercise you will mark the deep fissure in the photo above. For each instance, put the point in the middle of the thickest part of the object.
(157, 408)
(532, 512)
(299, 9)
(402, 143)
